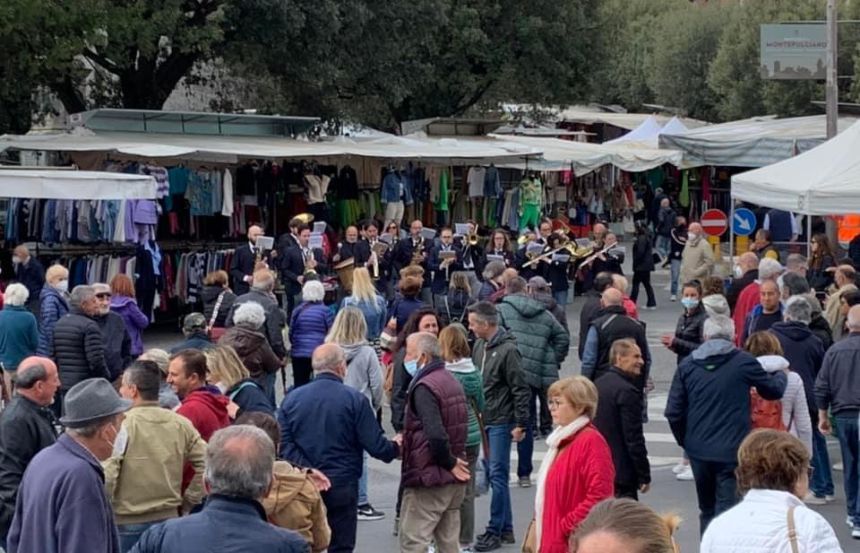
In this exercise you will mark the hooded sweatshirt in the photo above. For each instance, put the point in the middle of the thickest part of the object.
(470, 379)
(709, 403)
(294, 503)
(804, 353)
(206, 408)
(364, 372)
(134, 319)
(795, 413)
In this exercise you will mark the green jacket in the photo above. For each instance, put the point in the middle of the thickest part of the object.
(541, 340)
(505, 389)
(470, 379)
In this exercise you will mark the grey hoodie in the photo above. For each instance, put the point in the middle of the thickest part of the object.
(364, 372)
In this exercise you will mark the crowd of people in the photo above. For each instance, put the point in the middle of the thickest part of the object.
(108, 446)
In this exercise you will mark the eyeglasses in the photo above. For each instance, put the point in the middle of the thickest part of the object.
(555, 403)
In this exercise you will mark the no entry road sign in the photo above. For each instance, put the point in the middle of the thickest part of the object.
(714, 222)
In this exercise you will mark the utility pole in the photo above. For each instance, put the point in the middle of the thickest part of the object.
(832, 91)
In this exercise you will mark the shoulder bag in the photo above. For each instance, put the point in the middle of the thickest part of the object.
(214, 332)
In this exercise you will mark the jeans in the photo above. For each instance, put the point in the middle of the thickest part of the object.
(675, 274)
(847, 429)
(362, 483)
(643, 277)
(822, 477)
(716, 488)
(560, 297)
(341, 503)
(663, 245)
(501, 518)
(525, 448)
(129, 534)
(467, 508)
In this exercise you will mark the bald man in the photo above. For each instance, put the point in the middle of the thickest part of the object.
(613, 324)
(26, 428)
(244, 260)
(746, 272)
(697, 259)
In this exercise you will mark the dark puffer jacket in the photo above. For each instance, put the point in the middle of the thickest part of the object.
(79, 349)
(541, 340)
(210, 296)
(253, 349)
(688, 332)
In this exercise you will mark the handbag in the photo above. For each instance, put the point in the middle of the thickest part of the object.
(530, 544)
(214, 332)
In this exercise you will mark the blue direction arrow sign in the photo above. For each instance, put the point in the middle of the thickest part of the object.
(744, 222)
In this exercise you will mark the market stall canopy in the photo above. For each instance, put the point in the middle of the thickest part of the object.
(583, 157)
(629, 121)
(822, 181)
(75, 185)
(754, 142)
(232, 149)
(647, 131)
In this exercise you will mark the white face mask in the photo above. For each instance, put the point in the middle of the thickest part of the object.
(692, 236)
(62, 286)
(738, 271)
(16, 260)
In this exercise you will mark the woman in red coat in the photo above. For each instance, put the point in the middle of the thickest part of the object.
(577, 471)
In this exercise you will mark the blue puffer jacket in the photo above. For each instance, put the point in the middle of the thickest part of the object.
(224, 524)
(308, 327)
(709, 402)
(52, 308)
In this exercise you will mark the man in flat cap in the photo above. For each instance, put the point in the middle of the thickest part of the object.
(62, 506)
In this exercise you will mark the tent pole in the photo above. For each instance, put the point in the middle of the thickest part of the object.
(731, 228)
(808, 237)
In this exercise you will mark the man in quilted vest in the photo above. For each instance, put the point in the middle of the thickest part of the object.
(434, 470)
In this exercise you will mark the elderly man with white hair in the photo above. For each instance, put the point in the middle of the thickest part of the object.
(435, 470)
(709, 412)
(19, 333)
(328, 425)
(697, 259)
(750, 297)
(247, 338)
(262, 293)
(837, 388)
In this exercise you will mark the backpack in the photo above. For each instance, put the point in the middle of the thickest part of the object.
(765, 413)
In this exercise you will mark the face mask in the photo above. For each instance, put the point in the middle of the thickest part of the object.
(738, 271)
(689, 303)
(411, 367)
(62, 286)
(113, 442)
(16, 260)
(692, 235)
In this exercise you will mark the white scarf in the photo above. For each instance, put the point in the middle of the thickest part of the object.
(558, 435)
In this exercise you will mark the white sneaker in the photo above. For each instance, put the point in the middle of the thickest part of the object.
(849, 521)
(812, 499)
(855, 533)
(686, 475)
(679, 468)
(673, 298)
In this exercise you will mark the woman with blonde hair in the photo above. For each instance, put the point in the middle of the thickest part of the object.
(625, 525)
(363, 373)
(577, 471)
(371, 304)
(773, 476)
(228, 374)
(53, 304)
(458, 361)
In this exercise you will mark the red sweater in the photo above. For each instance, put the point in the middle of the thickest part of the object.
(748, 298)
(581, 476)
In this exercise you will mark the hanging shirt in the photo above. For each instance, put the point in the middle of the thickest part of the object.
(475, 179)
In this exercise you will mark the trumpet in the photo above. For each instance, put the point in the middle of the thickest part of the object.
(418, 252)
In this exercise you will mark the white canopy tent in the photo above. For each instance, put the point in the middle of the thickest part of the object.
(75, 185)
(583, 157)
(647, 135)
(822, 181)
(230, 149)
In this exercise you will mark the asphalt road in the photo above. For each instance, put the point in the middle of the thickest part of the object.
(667, 494)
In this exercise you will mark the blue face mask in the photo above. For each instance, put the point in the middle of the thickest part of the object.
(689, 303)
(411, 367)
